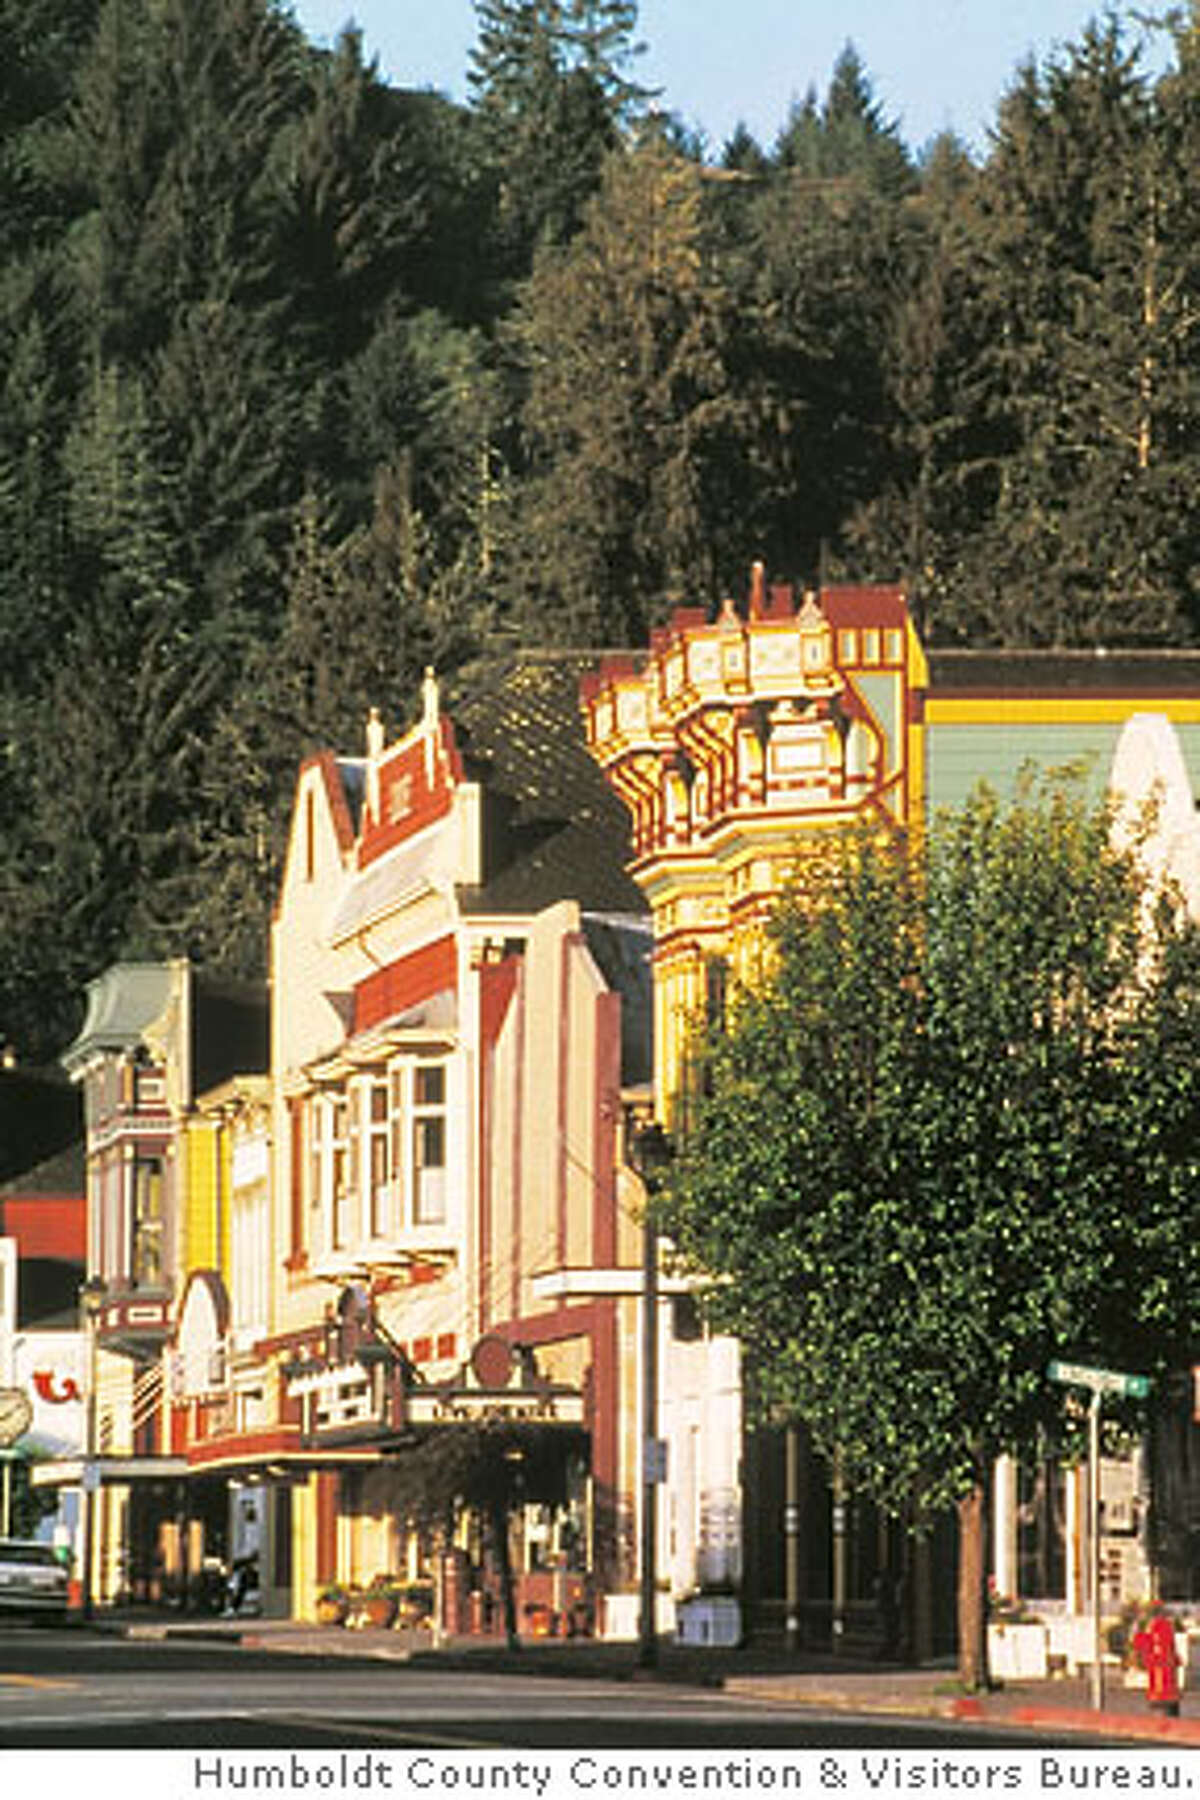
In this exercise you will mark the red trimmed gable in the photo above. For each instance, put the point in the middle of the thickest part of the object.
(325, 762)
(416, 788)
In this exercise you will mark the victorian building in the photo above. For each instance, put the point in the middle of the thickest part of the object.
(737, 743)
(155, 1036)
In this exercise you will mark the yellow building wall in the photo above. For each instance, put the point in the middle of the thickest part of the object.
(304, 1550)
(200, 1248)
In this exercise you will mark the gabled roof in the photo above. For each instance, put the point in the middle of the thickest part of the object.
(554, 829)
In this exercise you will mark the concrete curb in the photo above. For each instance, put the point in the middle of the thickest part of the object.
(896, 1697)
(1143, 1729)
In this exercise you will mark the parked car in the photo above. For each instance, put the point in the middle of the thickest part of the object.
(34, 1580)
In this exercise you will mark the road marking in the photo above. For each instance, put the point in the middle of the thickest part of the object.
(420, 1740)
(35, 1681)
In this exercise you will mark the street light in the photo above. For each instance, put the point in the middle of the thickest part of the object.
(92, 1296)
(650, 1154)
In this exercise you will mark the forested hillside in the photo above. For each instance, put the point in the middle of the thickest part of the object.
(309, 382)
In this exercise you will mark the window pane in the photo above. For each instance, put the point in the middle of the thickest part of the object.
(431, 1085)
(147, 1258)
(379, 1184)
(429, 1169)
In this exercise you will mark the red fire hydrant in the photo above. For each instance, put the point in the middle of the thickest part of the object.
(1155, 1647)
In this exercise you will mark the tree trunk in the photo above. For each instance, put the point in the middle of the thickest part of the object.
(972, 1632)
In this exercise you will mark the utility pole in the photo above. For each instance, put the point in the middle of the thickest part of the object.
(650, 1153)
(91, 1298)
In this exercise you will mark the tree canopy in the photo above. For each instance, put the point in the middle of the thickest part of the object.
(949, 1136)
(289, 354)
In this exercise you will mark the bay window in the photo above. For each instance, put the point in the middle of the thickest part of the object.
(378, 1154)
(146, 1212)
(379, 1168)
(429, 1144)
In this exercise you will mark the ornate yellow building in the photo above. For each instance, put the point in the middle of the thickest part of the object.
(735, 743)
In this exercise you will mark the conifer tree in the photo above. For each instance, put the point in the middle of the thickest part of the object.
(551, 95)
(620, 336)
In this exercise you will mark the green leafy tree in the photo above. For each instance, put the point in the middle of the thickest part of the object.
(912, 1159)
(492, 1468)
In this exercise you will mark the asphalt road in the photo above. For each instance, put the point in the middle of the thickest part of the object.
(75, 1690)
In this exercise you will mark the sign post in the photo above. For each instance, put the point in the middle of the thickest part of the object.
(1098, 1382)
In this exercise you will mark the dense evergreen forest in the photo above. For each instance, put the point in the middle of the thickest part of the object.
(309, 382)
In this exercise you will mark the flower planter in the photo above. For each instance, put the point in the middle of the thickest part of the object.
(709, 1620)
(1018, 1652)
(380, 1610)
(332, 1610)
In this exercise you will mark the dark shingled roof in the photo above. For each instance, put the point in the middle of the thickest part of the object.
(64, 1173)
(553, 828)
(1028, 672)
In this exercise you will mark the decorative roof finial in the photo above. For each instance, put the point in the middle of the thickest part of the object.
(375, 739)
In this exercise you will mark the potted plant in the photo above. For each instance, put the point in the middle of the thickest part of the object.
(333, 1604)
(381, 1602)
(415, 1604)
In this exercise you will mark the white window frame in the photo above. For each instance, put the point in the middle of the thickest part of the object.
(426, 1114)
(377, 1131)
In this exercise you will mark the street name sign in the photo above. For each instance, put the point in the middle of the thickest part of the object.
(1100, 1381)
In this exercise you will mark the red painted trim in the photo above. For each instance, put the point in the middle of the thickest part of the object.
(860, 608)
(325, 763)
(406, 983)
(567, 946)
(235, 1447)
(516, 1260)
(605, 1397)
(604, 1129)
(487, 1079)
(328, 1497)
(497, 985)
(46, 1225)
(412, 794)
(555, 1327)
(210, 1280)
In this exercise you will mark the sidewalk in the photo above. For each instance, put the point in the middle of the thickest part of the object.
(766, 1673)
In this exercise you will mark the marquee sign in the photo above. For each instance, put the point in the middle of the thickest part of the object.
(368, 1391)
(471, 1406)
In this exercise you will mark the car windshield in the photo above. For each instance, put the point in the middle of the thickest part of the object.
(42, 1555)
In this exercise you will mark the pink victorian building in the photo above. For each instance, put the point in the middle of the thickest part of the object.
(461, 1015)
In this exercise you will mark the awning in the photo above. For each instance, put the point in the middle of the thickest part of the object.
(110, 1471)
